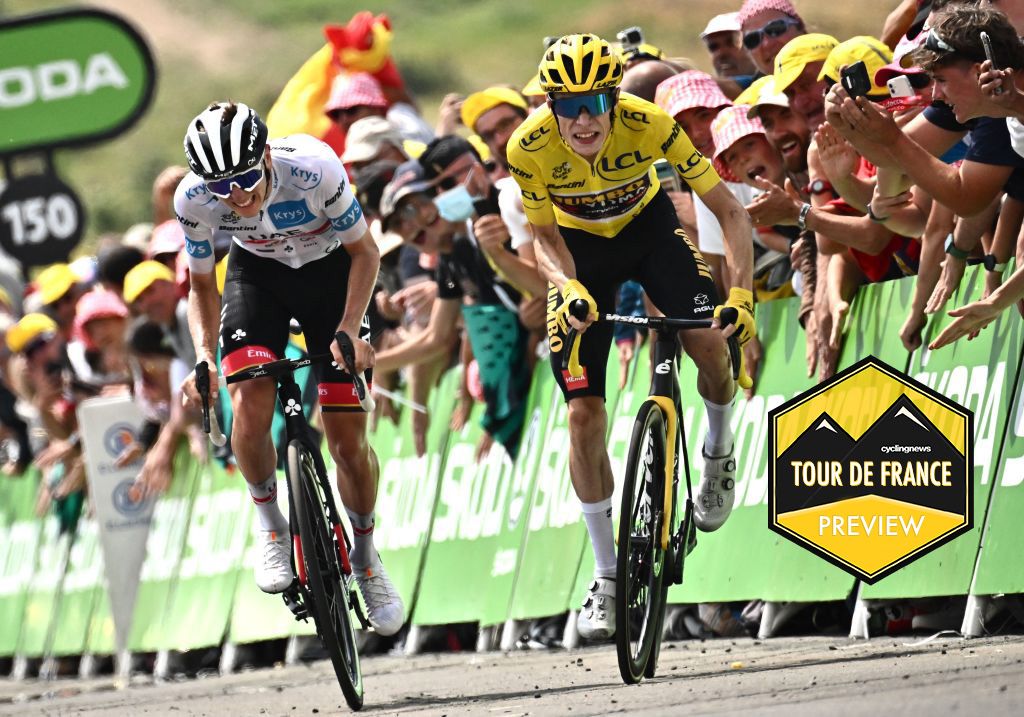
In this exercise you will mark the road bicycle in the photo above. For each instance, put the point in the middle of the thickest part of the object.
(653, 538)
(324, 587)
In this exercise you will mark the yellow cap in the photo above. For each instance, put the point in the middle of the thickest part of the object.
(752, 94)
(872, 51)
(533, 88)
(55, 281)
(797, 54)
(28, 329)
(485, 100)
(142, 276)
(481, 148)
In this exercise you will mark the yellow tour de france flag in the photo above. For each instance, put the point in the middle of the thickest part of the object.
(870, 470)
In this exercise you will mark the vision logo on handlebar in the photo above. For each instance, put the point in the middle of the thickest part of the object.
(579, 309)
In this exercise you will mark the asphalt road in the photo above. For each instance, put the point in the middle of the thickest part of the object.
(785, 676)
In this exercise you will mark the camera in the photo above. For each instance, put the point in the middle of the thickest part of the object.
(855, 79)
(631, 37)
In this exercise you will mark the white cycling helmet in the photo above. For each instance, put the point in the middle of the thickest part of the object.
(225, 139)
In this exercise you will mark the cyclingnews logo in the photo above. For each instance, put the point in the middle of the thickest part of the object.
(870, 470)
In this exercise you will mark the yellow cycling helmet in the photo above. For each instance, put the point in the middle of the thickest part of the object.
(580, 63)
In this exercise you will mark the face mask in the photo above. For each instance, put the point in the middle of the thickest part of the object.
(455, 205)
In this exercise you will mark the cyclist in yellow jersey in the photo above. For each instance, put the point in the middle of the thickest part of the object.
(584, 165)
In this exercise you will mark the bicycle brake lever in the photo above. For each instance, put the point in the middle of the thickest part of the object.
(580, 310)
(734, 356)
(203, 387)
(348, 356)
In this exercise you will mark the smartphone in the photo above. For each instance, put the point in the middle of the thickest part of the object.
(855, 79)
(668, 176)
(900, 86)
(987, 44)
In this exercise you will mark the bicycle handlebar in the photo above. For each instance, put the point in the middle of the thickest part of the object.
(271, 369)
(580, 309)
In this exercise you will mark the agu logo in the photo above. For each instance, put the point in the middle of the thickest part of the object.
(125, 503)
(870, 470)
(117, 438)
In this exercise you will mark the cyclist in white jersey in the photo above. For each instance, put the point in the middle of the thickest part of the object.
(299, 248)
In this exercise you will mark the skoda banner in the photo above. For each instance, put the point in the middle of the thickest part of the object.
(108, 425)
(67, 78)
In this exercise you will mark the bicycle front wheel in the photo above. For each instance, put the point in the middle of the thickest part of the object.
(640, 572)
(328, 591)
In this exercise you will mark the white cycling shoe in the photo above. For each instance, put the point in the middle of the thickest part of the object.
(596, 620)
(274, 570)
(384, 608)
(716, 492)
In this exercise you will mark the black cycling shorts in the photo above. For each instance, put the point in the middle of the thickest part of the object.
(653, 250)
(262, 295)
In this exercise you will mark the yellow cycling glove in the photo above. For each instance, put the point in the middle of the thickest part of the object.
(574, 291)
(739, 310)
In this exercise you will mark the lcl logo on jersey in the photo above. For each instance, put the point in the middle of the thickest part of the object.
(633, 120)
(537, 139)
(693, 169)
(625, 162)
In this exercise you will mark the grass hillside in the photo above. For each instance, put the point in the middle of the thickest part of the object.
(247, 50)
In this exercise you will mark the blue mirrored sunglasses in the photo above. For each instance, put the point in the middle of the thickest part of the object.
(572, 106)
(246, 181)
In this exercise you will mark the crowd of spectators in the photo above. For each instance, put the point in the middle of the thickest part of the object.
(922, 174)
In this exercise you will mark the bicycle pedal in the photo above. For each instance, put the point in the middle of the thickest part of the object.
(293, 600)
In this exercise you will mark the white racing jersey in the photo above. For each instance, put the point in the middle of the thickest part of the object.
(309, 210)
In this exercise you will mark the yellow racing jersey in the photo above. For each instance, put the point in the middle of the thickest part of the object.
(559, 186)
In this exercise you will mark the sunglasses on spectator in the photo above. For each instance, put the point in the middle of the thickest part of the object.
(919, 80)
(503, 126)
(246, 181)
(776, 28)
(571, 107)
(934, 42)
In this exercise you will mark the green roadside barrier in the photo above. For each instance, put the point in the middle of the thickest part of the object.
(480, 521)
(999, 566)
(82, 584)
(164, 547)
(873, 325)
(979, 375)
(198, 613)
(408, 489)
(42, 596)
(20, 532)
(467, 522)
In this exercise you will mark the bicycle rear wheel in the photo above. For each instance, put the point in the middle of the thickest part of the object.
(640, 573)
(329, 592)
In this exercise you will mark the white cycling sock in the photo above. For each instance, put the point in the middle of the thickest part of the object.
(719, 439)
(363, 555)
(599, 524)
(264, 496)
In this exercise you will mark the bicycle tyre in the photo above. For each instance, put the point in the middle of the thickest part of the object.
(328, 593)
(640, 569)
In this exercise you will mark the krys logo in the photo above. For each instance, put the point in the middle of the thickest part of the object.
(870, 470)
(117, 438)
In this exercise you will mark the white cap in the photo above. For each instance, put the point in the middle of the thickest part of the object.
(366, 136)
(727, 22)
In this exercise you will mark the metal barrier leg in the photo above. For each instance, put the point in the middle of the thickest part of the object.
(228, 657)
(485, 638)
(571, 636)
(861, 615)
(123, 665)
(88, 666)
(162, 665)
(973, 624)
(775, 615)
(509, 635)
(292, 650)
(414, 640)
(19, 671)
